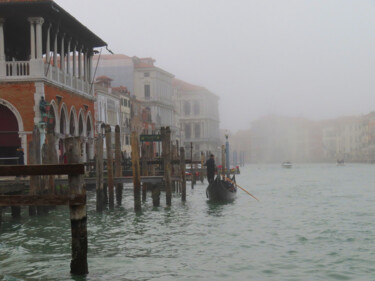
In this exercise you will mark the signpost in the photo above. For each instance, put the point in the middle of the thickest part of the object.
(149, 138)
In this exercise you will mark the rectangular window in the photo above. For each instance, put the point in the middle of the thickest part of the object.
(146, 74)
(147, 91)
(197, 130)
(187, 131)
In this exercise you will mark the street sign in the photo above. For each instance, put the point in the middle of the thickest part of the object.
(150, 137)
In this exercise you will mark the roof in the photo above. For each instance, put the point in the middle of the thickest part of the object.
(186, 86)
(110, 57)
(16, 10)
(103, 78)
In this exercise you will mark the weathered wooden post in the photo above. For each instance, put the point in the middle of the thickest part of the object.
(191, 165)
(118, 167)
(166, 147)
(223, 160)
(136, 172)
(34, 158)
(108, 142)
(51, 159)
(144, 170)
(78, 214)
(183, 174)
(99, 171)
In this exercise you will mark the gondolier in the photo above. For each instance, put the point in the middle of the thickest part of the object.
(211, 167)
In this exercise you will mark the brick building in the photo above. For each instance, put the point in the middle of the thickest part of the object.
(44, 53)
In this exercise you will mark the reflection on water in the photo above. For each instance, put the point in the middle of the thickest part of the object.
(313, 222)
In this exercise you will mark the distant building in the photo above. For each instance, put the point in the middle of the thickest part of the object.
(107, 105)
(275, 139)
(119, 67)
(153, 87)
(199, 121)
(125, 111)
(45, 53)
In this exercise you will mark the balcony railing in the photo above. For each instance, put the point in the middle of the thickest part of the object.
(22, 70)
(17, 68)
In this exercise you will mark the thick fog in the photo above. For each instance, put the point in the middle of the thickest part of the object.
(313, 59)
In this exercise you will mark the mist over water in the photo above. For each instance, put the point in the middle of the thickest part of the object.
(313, 222)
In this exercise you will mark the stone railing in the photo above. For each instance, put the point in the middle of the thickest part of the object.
(28, 70)
(17, 68)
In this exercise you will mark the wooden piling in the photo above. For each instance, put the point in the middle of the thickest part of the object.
(166, 147)
(183, 174)
(78, 214)
(118, 166)
(191, 166)
(136, 172)
(108, 142)
(99, 172)
(223, 160)
(34, 158)
(144, 170)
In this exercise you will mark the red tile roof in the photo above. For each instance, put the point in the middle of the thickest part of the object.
(103, 78)
(111, 57)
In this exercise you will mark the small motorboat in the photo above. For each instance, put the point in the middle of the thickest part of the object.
(287, 165)
(221, 190)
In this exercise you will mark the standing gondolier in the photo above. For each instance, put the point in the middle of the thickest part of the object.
(211, 167)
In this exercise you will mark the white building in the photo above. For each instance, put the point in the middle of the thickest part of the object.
(199, 118)
(153, 87)
(107, 105)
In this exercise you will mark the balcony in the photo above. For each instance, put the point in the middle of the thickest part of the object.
(21, 71)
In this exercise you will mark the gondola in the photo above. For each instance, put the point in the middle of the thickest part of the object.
(221, 190)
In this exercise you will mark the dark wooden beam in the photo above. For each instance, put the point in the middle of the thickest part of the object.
(37, 170)
(42, 200)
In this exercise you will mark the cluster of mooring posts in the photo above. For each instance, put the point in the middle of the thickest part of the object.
(46, 191)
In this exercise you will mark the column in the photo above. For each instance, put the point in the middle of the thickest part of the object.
(74, 59)
(79, 74)
(39, 45)
(85, 65)
(32, 38)
(55, 49)
(62, 54)
(48, 45)
(68, 56)
(90, 74)
(2, 48)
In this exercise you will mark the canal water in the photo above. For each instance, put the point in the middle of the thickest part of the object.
(313, 222)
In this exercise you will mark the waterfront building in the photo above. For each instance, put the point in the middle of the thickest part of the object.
(153, 87)
(107, 105)
(119, 67)
(45, 57)
(275, 139)
(125, 108)
(199, 121)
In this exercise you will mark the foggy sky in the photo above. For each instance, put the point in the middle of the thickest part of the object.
(307, 58)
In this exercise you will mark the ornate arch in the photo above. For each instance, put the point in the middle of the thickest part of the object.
(89, 121)
(55, 109)
(81, 123)
(73, 124)
(63, 116)
(22, 135)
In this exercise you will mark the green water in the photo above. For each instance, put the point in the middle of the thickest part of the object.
(313, 222)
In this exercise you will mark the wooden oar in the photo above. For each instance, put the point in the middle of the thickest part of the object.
(242, 188)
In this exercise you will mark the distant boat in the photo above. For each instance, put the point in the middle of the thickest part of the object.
(340, 162)
(286, 164)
